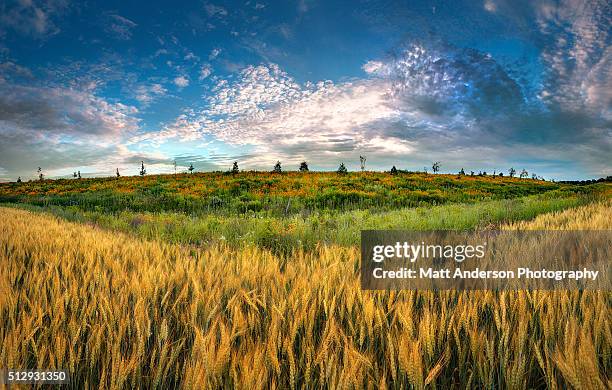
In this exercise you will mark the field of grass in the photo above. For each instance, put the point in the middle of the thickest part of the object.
(293, 210)
(119, 312)
(282, 235)
(270, 194)
(175, 281)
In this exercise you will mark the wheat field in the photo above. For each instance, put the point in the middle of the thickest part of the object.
(119, 312)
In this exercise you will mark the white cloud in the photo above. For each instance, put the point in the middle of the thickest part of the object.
(33, 18)
(120, 27)
(160, 52)
(59, 128)
(372, 67)
(191, 57)
(490, 6)
(12, 69)
(181, 81)
(147, 93)
(390, 145)
(63, 111)
(578, 55)
(266, 108)
(205, 71)
(215, 10)
(214, 53)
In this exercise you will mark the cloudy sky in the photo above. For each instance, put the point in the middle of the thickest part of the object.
(480, 85)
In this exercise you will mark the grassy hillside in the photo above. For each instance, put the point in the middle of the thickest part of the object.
(276, 194)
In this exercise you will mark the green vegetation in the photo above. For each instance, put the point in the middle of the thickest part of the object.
(270, 194)
(284, 212)
(298, 231)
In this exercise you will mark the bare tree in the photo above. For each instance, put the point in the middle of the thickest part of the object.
(117, 173)
(461, 172)
(175, 167)
(524, 174)
(512, 172)
(79, 174)
(534, 176)
(40, 174)
(436, 167)
(191, 168)
(362, 162)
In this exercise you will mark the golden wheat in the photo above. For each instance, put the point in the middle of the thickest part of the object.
(122, 313)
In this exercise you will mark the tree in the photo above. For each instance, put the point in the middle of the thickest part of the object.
(40, 174)
(362, 162)
(436, 167)
(19, 179)
(534, 176)
(303, 166)
(175, 167)
(342, 169)
(512, 172)
(461, 172)
(471, 173)
(79, 174)
(277, 168)
(191, 168)
(118, 175)
(74, 174)
(501, 174)
(143, 171)
(235, 168)
(524, 174)
(393, 170)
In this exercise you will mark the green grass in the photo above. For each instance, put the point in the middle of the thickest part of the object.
(283, 212)
(282, 235)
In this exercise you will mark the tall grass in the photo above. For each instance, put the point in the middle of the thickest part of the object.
(305, 232)
(119, 312)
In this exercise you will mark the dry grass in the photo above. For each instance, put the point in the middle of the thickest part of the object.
(595, 216)
(122, 313)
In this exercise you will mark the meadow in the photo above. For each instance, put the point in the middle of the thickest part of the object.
(292, 210)
(128, 297)
(276, 194)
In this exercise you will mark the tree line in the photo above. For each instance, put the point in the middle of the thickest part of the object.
(303, 167)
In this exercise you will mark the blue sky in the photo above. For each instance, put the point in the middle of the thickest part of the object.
(480, 85)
